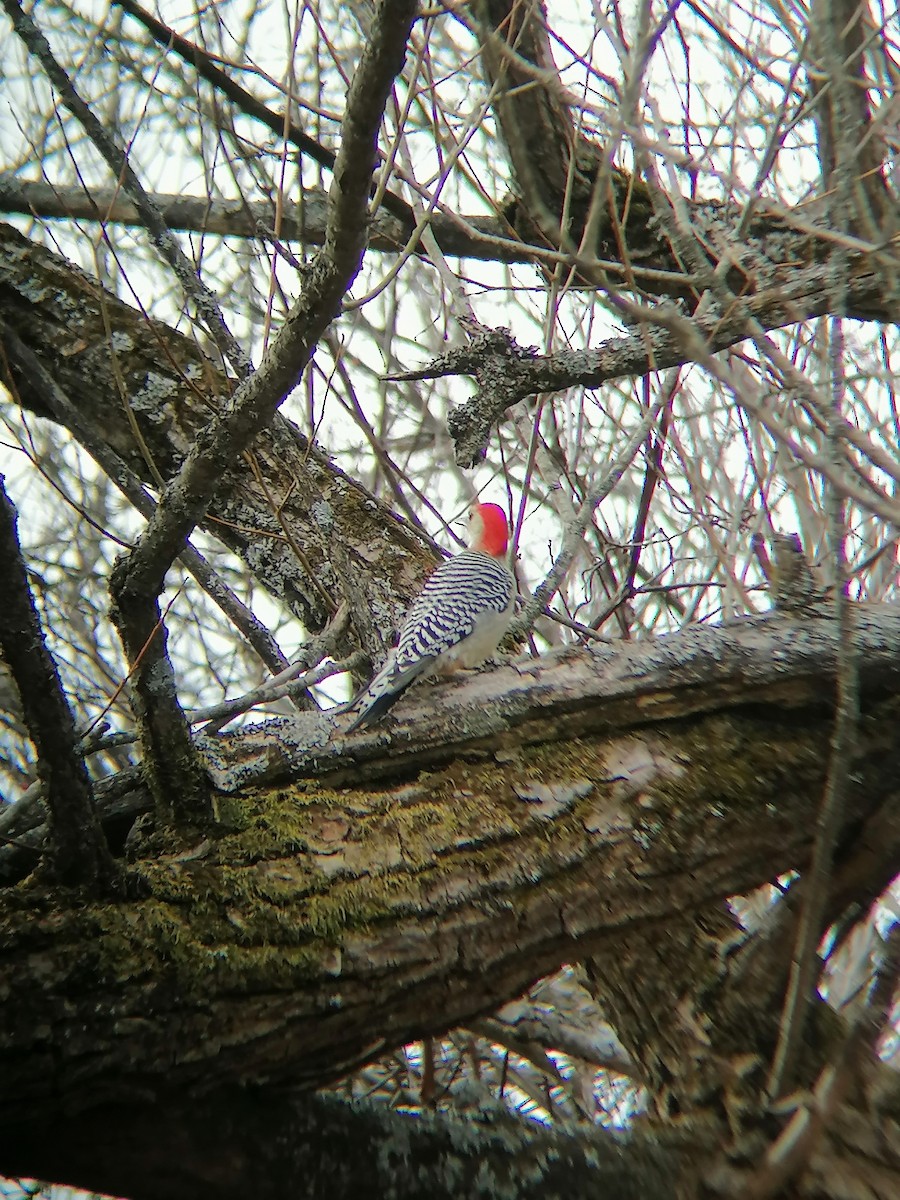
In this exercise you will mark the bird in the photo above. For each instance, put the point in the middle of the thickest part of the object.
(796, 584)
(456, 621)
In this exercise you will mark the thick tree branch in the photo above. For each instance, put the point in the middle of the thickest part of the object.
(108, 358)
(710, 668)
(663, 338)
(316, 1146)
(548, 158)
(79, 853)
(575, 691)
(300, 220)
(336, 919)
(46, 391)
(173, 774)
(848, 142)
(138, 579)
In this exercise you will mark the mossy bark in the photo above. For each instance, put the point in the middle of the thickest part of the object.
(362, 892)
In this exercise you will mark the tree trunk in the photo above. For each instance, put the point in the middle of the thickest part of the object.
(440, 869)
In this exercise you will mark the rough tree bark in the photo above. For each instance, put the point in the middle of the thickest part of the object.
(355, 894)
(582, 805)
(144, 391)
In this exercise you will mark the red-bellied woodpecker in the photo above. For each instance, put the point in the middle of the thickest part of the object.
(457, 620)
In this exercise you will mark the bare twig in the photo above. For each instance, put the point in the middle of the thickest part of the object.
(279, 123)
(118, 472)
(138, 580)
(805, 963)
(117, 161)
(292, 680)
(574, 533)
(307, 670)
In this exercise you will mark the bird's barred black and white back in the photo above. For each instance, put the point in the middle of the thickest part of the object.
(457, 620)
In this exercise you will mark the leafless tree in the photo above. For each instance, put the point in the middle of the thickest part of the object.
(284, 287)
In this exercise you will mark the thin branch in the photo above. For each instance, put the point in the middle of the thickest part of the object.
(800, 995)
(206, 68)
(278, 123)
(308, 666)
(574, 533)
(117, 161)
(137, 581)
(287, 683)
(257, 636)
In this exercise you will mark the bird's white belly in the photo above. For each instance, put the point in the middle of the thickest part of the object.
(479, 645)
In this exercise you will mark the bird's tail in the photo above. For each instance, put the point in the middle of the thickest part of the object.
(384, 691)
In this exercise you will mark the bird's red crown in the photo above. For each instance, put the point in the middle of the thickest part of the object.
(489, 529)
